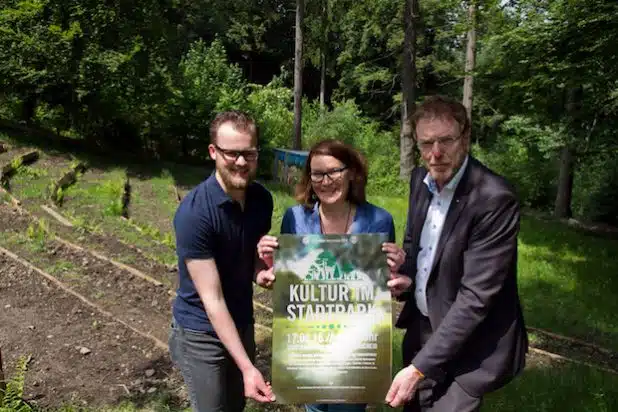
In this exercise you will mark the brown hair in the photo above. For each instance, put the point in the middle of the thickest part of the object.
(241, 121)
(346, 154)
(439, 107)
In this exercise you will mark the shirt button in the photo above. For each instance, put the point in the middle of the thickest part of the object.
(434, 226)
(430, 248)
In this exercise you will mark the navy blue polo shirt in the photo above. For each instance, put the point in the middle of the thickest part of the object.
(209, 224)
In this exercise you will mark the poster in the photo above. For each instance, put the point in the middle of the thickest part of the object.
(332, 323)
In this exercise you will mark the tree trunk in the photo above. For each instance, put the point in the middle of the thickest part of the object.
(408, 87)
(298, 75)
(323, 55)
(573, 106)
(2, 381)
(562, 208)
(470, 57)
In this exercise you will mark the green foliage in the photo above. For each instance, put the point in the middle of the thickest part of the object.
(209, 82)
(522, 153)
(31, 173)
(271, 106)
(12, 398)
(37, 233)
(110, 193)
(596, 188)
(346, 123)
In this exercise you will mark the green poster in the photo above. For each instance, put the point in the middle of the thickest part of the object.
(332, 324)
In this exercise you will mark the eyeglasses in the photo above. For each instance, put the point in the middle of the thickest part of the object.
(233, 155)
(333, 174)
(443, 143)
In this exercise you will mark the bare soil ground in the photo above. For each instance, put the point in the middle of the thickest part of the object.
(79, 356)
(52, 326)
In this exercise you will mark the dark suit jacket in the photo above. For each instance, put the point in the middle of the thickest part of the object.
(479, 337)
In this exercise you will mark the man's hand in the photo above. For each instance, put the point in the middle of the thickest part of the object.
(403, 387)
(266, 247)
(255, 387)
(265, 278)
(398, 284)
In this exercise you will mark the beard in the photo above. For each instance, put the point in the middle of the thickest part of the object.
(234, 180)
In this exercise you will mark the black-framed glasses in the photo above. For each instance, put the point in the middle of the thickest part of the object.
(233, 155)
(333, 174)
(443, 143)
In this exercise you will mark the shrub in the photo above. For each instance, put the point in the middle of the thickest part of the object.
(523, 154)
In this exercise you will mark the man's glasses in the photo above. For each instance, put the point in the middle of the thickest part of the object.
(443, 143)
(333, 174)
(233, 155)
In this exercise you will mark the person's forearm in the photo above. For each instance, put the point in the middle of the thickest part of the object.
(224, 326)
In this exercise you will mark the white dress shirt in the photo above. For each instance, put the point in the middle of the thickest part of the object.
(432, 228)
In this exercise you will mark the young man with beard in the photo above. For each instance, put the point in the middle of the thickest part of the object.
(218, 225)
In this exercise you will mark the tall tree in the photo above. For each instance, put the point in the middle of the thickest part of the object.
(323, 52)
(298, 75)
(408, 88)
(470, 57)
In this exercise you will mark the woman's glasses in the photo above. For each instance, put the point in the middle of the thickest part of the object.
(333, 174)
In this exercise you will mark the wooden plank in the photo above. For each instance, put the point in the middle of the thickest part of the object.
(61, 219)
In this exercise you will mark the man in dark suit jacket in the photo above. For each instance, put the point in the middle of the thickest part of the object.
(465, 333)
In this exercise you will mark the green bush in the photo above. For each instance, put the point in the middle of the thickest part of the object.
(208, 84)
(347, 123)
(595, 189)
(523, 155)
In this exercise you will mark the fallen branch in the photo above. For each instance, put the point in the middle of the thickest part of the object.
(555, 356)
(70, 291)
(68, 179)
(569, 339)
(61, 219)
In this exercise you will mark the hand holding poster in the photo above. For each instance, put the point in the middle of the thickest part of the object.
(332, 325)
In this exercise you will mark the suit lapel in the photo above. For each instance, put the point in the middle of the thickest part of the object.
(423, 201)
(460, 198)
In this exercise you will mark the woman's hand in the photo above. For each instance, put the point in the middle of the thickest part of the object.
(395, 256)
(266, 247)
